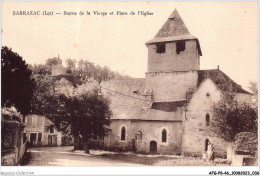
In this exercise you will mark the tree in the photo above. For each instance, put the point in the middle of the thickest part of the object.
(53, 61)
(253, 87)
(71, 66)
(17, 83)
(84, 113)
(246, 142)
(43, 89)
(229, 118)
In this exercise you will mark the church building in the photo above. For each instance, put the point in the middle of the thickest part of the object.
(170, 110)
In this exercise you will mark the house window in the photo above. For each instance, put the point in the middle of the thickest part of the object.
(164, 135)
(123, 134)
(160, 48)
(46, 129)
(39, 137)
(34, 120)
(180, 46)
(52, 129)
(207, 120)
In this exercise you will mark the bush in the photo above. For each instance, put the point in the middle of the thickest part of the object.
(246, 142)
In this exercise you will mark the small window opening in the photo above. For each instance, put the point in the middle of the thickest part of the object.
(123, 134)
(180, 46)
(207, 120)
(52, 129)
(206, 144)
(164, 135)
(40, 137)
(160, 48)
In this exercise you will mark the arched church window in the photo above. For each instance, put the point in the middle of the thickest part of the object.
(164, 135)
(123, 133)
(207, 120)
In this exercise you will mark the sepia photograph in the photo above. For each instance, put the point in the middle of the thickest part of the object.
(129, 84)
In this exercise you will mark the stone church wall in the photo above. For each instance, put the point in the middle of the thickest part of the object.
(195, 129)
(170, 86)
(150, 131)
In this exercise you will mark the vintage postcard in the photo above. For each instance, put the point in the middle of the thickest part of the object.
(129, 84)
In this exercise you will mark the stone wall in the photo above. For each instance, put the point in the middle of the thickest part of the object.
(195, 129)
(12, 154)
(169, 86)
(171, 61)
(150, 131)
(9, 157)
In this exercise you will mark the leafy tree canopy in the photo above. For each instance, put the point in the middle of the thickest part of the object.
(17, 83)
(80, 112)
(229, 118)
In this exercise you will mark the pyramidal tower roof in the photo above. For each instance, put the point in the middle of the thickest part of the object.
(173, 29)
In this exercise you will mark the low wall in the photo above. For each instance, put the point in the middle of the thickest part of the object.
(13, 157)
(9, 157)
(21, 150)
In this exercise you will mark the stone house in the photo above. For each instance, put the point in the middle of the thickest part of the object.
(40, 131)
(169, 111)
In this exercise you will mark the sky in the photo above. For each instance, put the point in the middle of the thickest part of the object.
(227, 31)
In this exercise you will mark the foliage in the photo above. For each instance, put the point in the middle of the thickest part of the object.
(11, 113)
(85, 70)
(17, 84)
(254, 89)
(229, 118)
(246, 142)
(71, 101)
(53, 61)
(84, 112)
(43, 89)
(66, 140)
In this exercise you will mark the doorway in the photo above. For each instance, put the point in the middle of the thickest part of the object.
(49, 140)
(153, 147)
(54, 140)
(33, 139)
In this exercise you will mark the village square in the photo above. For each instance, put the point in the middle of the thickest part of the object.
(81, 114)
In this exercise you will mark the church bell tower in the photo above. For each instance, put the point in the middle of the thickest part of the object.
(173, 48)
(173, 61)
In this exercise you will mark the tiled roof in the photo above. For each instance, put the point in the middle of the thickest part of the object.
(128, 102)
(48, 122)
(220, 79)
(174, 29)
